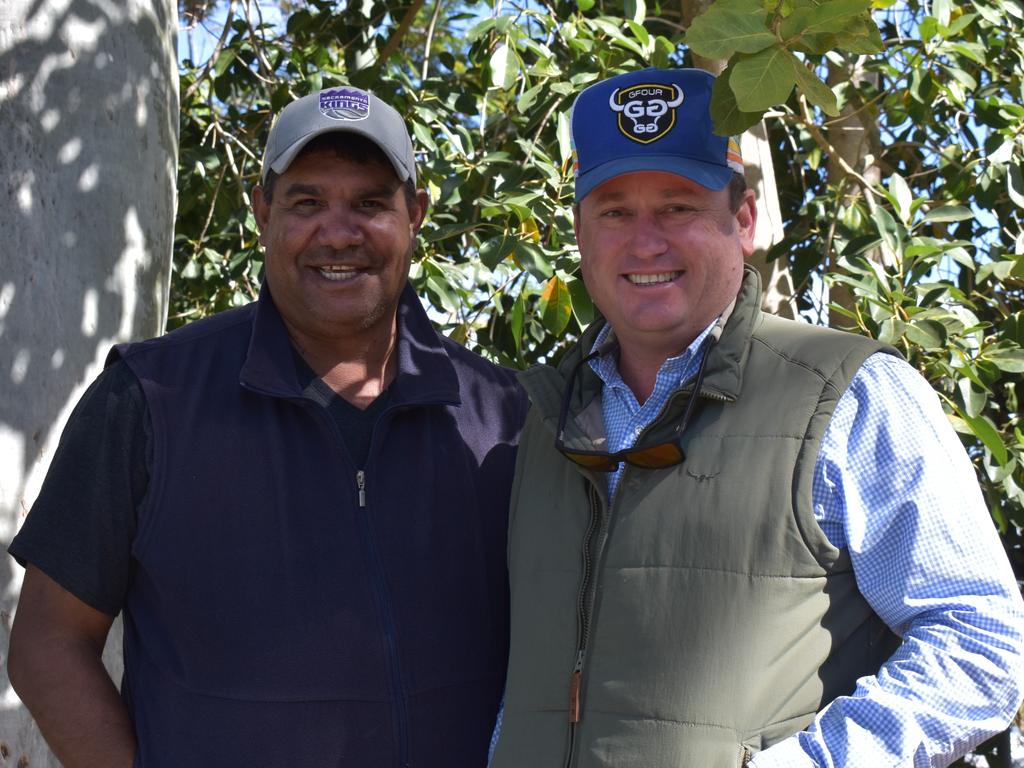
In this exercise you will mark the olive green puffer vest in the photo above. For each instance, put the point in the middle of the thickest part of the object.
(703, 616)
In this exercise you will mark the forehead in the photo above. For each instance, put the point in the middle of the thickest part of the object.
(648, 185)
(324, 167)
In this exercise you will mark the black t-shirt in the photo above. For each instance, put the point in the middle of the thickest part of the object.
(81, 527)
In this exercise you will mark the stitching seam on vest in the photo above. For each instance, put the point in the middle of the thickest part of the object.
(702, 569)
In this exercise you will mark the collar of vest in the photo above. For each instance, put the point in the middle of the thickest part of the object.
(723, 378)
(426, 374)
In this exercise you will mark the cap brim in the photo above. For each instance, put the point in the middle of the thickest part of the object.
(282, 161)
(708, 175)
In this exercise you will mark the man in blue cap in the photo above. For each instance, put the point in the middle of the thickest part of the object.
(735, 539)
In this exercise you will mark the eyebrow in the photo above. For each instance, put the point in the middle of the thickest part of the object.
(299, 189)
(667, 193)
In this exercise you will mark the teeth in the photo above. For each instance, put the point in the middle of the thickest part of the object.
(661, 277)
(338, 272)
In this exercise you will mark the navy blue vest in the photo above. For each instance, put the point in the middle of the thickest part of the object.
(273, 619)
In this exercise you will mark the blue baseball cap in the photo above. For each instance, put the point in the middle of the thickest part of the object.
(650, 120)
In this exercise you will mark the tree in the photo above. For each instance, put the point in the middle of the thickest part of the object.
(88, 126)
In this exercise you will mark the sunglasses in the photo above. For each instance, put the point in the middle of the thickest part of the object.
(666, 454)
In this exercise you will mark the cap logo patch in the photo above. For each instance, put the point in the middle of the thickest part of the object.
(646, 112)
(345, 104)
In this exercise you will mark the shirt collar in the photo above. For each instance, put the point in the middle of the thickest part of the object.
(677, 368)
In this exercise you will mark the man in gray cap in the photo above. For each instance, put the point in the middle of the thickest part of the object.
(298, 506)
(734, 538)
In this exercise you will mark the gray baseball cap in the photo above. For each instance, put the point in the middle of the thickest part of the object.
(339, 109)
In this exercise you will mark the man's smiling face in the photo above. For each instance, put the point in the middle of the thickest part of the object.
(339, 237)
(661, 255)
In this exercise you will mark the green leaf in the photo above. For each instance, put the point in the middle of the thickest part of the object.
(929, 334)
(1015, 185)
(829, 19)
(764, 79)
(891, 330)
(564, 138)
(816, 91)
(531, 258)
(495, 250)
(585, 5)
(959, 25)
(974, 400)
(663, 51)
(635, 10)
(641, 34)
(582, 304)
(516, 320)
(983, 428)
(440, 288)
(991, 15)
(224, 60)
(1006, 358)
(528, 98)
(901, 197)
(477, 31)
(973, 51)
(889, 229)
(728, 26)
(1013, 328)
(615, 33)
(948, 213)
(863, 37)
(728, 118)
(503, 69)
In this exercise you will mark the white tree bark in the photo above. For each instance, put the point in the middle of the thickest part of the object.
(88, 155)
(776, 279)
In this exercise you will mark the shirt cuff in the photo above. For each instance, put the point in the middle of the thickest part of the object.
(785, 754)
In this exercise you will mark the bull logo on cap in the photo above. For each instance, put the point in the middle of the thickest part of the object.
(646, 112)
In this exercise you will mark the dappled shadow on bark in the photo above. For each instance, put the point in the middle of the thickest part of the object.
(88, 130)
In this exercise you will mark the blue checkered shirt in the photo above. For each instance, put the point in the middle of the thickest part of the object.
(894, 485)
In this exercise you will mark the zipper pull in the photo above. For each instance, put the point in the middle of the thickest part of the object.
(575, 681)
(361, 485)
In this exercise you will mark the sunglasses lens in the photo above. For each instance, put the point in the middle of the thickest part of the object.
(656, 457)
(593, 461)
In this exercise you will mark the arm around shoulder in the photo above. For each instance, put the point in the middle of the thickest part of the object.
(55, 667)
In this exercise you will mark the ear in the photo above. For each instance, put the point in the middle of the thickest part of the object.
(260, 210)
(419, 211)
(746, 222)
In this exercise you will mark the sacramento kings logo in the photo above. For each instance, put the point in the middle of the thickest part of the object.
(345, 104)
(646, 112)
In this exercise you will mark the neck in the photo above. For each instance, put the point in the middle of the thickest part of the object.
(639, 368)
(358, 367)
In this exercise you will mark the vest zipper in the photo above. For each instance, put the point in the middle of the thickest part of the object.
(399, 705)
(584, 605)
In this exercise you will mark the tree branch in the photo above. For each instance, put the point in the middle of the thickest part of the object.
(396, 39)
(228, 17)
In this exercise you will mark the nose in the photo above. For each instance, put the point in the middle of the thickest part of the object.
(340, 229)
(647, 241)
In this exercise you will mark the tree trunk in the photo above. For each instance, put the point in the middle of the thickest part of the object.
(855, 144)
(757, 158)
(88, 156)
